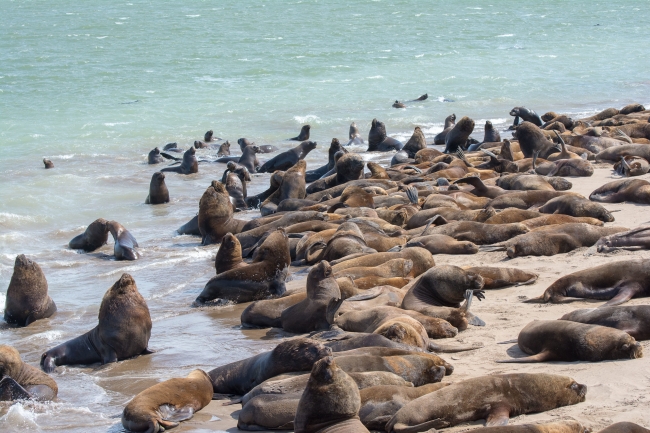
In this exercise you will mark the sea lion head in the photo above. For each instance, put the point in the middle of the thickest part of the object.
(208, 135)
(308, 146)
(125, 285)
(198, 144)
(488, 126)
(256, 149)
(10, 362)
(232, 166)
(321, 270)
(23, 264)
(301, 353)
(516, 111)
(354, 131)
(377, 133)
(219, 187)
(324, 370)
(159, 177)
(549, 116)
(627, 347)
(577, 391)
(350, 166)
(465, 124)
(335, 146)
(231, 244)
(191, 151)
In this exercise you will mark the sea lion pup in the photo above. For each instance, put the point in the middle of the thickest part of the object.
(47, 163)
(526, 115)
(330, 403)
(532, 139)
(158, 192)
(288, 159)
(496, 278)
(630, 166)
(123, 331)
(554, 239)
(632, 319)
(292, 186)
(304, 134)
(224, 149)
(163, 405)
(95, 236)
(635, 239)
(27, 297)
(216, 214)
(617, 282)
(473, 399)
(624, 427)
(478, 233)
(335, 146)
(229, 254)
(576, 206)
(19, 381)
(249, 158)
(309, 314)
(450, 121)
(348, 167)
(380, 403)
(480, 189)
(443, 244)
(378, 141)
(239, 377)
(457, 137)
(154, 156)
(125, 243)
(630, 190)
(262, 278)
(347, 243)
(562, 340)
(264, 148)
(189, 164)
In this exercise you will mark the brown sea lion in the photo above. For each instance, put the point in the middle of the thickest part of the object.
(577, 206)
(491, 135)
(394, 268)
(444, 286)
(263, 277)
(27, 297)
(209, 136)
(616, 282)
(95, 236)
(189, 164)
(216, 214)
(418, 368)
(312, 175)
(480, 189)
(304, 134)
(165, 404)
(229, 254)
(288, 159)
(524, 182)
(635, 239)
(124, 242)
(19, 381)
(292, 186)
(224, 149)
(263, 148)
(267, 313)
(566, 167)
(249, 158)
(513, 215)
(348, 167)
(235, 188)
(633, 319)
(158, 192)
(532, 140)
(416, 143)
(478, 233)
(443, 244)
(450, 121)
(239, 377)
(398, 104)
(615, 153)
(625, 190)
(421, 258)
(552, 427)
(473, 399)
(378, 141)
(496, 278)
(630, 166)
(154, 157)
(624, 427)
(525, 199)
(562, 340)
(48, 163)
(123, 331)
(457, 137)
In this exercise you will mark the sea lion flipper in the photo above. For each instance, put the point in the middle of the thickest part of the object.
(332, 308)
(540, 357)
(626, 291)
(499, 416)
(446, 348)
(367, 294)
(11, 390)
(173, 415)
(474, 320)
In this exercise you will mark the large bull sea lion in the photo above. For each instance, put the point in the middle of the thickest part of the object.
(27, 298)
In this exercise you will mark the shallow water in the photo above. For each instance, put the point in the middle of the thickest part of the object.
(95, 87)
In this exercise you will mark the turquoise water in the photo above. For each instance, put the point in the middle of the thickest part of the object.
(94, 87)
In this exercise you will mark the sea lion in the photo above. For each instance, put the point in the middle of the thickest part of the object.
(216, 214)
(526, 115)
(577, 206)
(416, 143)
(617, 282)
(163, 405)
(562, 340)
(496, 278)
(418, 368)
(236, 189)
(443, 244)
(304, 134)
(478, 233)
(172, 147)
(525, 199)
(625, 190)
(630, 166)
(457, 137)
(249, 159)
(158, 192)
(624, 427)
(47, 163)
(473, 399)
(312, 175)
(533, 141)
(27, 297)
(239, 377)
(229, 254)
(224, 149)
(191, 227)
(267, 313)
(189, 164)
(264, 148)
(421, 258)
(378, 141)
(309, 314)
(20, 381)
(524, 182)
(354, 136)
(330, 402)
(242, 173)
(552, 427)
(398, 104)
(635, 239)
(288, 159)
(348, 241)
(444, 286)
(125, 243)
(491, 135)
(95, 235)
(480, 189)
(292, 186)
(209, 136)
(154, 157)
(450, 121)
(565, 167)
(123, 331)
(632, 319)
(348, 167)
(263, 277)
(615, 153)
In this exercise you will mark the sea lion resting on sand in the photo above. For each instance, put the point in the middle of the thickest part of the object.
(636, 239)
(624, 427)
(27, 298)
(562, 340)
(625, 190)
(19, 381)
(633, 319)
(123, 331)
(552, 427)
(163, 405)
(472, 399)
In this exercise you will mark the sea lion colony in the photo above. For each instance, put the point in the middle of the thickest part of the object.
(375, 305)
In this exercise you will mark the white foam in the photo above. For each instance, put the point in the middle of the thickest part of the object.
(419, 55)
(3, 299)
(116, 123)
(375, 77)
(508, 35)
(18, 416)
(69, 156)
(102, 37)
(6, 217)
(192, 16)
(306, 119)
(47, 335)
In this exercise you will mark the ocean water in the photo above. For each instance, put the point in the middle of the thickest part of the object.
(94, 87)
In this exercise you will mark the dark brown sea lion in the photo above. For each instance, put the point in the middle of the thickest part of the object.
(347, 241)
(378, 141)
(310, 314)
(566, 167)
(577, 206)
(95, 236)
(615, 153)
(330, 403)
(635, 239)
(267, 313)
(242, 173)
(209, 136)
(288, 159)
(633, 319)
(417, 367)
(562, 340)
(617, 282)
(264, 148)
(478, 233)
(229, 254)
(624, 427)
(450, 121)
(216, 214)
(457, 137)
(48, 163)
(158, 192)
(125, 243)
(239, 377)
(480, 189)
(525, 199)
(20, 381)
(532, 140)
(165, 404)
(263, 277)
(292, 186)
(224, 149)
(123, 331)
(154, 157)
(189, 164)
(312, 175)
(443, 286)
(249, 158)
(348, 167)
(552, 427)
(473, 399)
(443, 244)
(191, 227)
(527, 115)
(496, 278)
(491, 135)
(304, 134)
(416, 143)
(27, 297)
(235, 188)
(625, 190)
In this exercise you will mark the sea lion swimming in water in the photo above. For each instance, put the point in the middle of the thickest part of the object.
(123, 331)
(398, 104)
(20, 381)
(125, 243)
(304, 134)
(209, 136)
(154, 157)
(354, 136)
(95, 236)
(48, 163)
(158, 192)
(188, 166)
(264, 148)
(27, 297)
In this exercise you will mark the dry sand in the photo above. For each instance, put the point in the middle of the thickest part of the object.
(617, 390)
